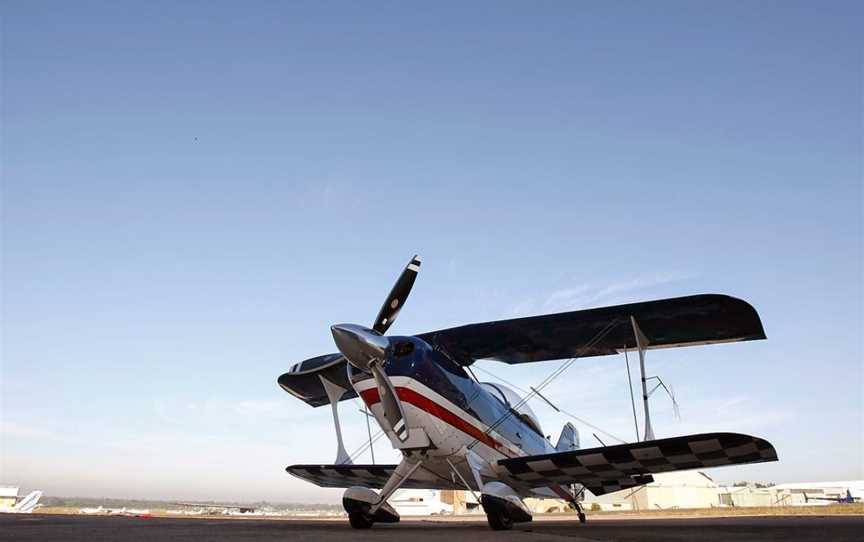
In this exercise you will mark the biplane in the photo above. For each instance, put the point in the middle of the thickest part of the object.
(456, 432)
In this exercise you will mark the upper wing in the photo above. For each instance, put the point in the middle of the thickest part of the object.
(303, 381)
(681, 321)
(603, 470)
(371, 476)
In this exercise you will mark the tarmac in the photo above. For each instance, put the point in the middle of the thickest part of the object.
(71, 528)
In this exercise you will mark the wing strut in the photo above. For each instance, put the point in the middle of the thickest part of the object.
(334, 393)
(641, 343)
(630, 387)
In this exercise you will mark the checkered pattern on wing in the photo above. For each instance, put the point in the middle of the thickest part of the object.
(602, 487)
(371, 476)
(611, 468)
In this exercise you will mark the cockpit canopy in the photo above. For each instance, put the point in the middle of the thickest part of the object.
(514, 402)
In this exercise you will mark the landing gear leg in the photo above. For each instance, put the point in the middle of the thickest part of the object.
(365, 507)
(580, 513)
(403, 471)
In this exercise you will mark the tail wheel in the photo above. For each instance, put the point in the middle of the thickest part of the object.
(359, 520)
(499, 522)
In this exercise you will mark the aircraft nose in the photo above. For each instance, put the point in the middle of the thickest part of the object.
(359, 345)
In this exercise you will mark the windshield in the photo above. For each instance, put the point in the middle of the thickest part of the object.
(512, 399)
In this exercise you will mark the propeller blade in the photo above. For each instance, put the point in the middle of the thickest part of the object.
(390, 310)
(368, 349)
(390, 402)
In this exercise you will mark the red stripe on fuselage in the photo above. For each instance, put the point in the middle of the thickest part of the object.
(371, 396)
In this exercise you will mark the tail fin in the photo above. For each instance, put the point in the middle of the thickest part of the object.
(569, 439)
(28, 503)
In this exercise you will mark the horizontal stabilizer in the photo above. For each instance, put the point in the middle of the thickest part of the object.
(371, 476)
(611, 468)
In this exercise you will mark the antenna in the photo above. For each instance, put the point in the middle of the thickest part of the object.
(669, 391)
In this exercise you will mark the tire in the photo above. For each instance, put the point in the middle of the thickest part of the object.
(582, 518)
(499, 522)
(359, 521)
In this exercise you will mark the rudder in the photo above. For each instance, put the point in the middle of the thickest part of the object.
(569, 439)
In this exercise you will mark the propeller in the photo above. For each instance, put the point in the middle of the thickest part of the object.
(369, 350)
(391, 307)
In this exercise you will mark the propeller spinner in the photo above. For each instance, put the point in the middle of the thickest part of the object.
(369, 350)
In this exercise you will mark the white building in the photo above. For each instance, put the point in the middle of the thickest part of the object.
(749, 496)
(419, 502)
(668, 491)
(8, 497)
(694, 489)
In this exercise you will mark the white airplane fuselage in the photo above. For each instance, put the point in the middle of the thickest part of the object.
(453, 420)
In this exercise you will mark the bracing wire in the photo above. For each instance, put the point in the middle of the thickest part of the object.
(366, 445)
(528, 395)
(372, 438)
(592, 426)
(548, 380)
(493, 375)
(369, 432)
(561, 410)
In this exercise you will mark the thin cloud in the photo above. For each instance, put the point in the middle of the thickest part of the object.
(15, 430)
(589, 295)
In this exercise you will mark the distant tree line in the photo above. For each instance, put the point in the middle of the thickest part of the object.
(761, 485)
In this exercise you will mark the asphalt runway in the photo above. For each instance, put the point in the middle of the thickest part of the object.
(46, 527)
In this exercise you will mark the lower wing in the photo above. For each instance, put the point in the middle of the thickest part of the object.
(611, 468)
(371, 476)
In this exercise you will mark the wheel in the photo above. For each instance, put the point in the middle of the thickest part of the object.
(581, 516)
(359, 520)
(499, 522)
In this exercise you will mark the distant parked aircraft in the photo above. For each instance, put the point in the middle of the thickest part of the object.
(848, 499)
(27, 504)
(218, 508)
(132, 512)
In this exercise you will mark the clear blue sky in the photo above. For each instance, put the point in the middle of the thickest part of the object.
(193, 192)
